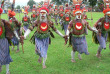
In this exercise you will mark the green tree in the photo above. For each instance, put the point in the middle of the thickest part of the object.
(59, 2)
(100, 5)
(93, 3)
(31, 3)
(18, 7)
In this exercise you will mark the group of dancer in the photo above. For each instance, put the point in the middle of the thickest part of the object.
(72, 20)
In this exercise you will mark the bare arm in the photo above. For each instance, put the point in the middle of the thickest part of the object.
(98, 22)
(91, 29)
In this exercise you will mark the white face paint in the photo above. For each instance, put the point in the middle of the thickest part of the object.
(84, 12)
(33, 12)
(43, 16)
(78, 16)
(67, 14)
(25, 14)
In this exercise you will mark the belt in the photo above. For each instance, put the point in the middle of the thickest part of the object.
(78, 35)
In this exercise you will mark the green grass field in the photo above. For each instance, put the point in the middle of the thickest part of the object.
(59, 57)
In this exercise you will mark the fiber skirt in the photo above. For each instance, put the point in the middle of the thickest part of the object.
(80, 44)
(4, 52)
(42, 46)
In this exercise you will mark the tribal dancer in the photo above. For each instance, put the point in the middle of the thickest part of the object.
(33, 16)
(6, 34)
(61, 13)
(66, 18)
(103, 26)
(41, 36)
(15, 25)
(65, 21)
(56, 14)
(26, 19)
(77, 30)
(84, 10)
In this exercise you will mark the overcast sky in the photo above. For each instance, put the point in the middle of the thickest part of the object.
(23, 2)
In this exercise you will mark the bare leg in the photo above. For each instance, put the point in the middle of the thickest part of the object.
(99, 52)
(38, 53)
(79, 56)
(40, 59)
(44, 60)
(17, 48)
(7, 69)
(72, 56)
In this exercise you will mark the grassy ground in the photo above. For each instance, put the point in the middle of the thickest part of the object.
(59, 59)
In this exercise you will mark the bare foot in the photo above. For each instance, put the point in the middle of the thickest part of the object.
(8, 72)
(17, 51)
(40, 60)
(44, 67)
(73, 61)
(98, 56)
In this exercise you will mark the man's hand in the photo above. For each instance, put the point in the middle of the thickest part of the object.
(66, 39)
(22, 39)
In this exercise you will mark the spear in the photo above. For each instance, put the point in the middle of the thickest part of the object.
(21, 32)
(13, 5)
(22, 38)
(2, 3)
(91, 16)
(19, 17)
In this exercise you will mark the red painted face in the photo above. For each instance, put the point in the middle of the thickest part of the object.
(25, 19)
(67, 18)
(85, 17)
(78, 26)
(10, 20)
(61, 14)
(34, 15)
(44, 26)
(43, 12)
(106, 26)
(37, 14)
(1, 31)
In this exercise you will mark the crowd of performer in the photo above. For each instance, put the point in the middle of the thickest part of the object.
(71, 18)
